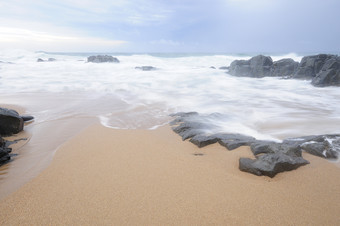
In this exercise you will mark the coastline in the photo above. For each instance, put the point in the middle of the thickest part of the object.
(134, 177)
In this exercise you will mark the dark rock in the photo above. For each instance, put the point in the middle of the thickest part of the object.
(27, 118)
(203, 140)
(269, 147)
(102, 59)
(257, 67)
(283, 68)
(271, 164)
(271, 157)
(4, 152)
(310, 66)
(40, 60)
(10, 122)
(224, 68)
(233, 141)
(146, 68)
(329, 75)
(326, 146)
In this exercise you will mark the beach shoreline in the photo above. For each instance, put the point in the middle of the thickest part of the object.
(134, 177)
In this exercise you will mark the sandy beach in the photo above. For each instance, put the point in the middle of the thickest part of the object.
(105, 176)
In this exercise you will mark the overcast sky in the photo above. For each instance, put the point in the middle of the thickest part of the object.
(230, 26)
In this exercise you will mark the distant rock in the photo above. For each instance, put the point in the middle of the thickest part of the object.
(102, 59)
(329, 75)
(146, 68)
(271, 157)
(212, 67)
(283, 68)
(51, 59)
(40, 60)
(322, 69)
(11, 122)
(310, 66)
(223, 68)
(257, 67)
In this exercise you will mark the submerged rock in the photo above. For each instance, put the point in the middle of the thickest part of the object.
(102, 59)
(146, 68)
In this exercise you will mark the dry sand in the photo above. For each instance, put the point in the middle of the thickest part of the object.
(150, 177)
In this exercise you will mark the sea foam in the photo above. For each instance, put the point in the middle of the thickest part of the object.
(125, 98)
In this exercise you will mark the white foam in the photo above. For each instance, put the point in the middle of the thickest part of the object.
(267, 108)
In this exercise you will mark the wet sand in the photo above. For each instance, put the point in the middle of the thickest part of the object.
(105, 176)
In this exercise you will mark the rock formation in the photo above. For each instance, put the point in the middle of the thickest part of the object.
(322, 69)
(271, 157)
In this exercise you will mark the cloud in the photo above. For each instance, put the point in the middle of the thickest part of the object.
(38, 40)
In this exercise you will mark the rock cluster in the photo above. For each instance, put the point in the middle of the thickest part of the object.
(102, 59)
(322, 69)
(48, 60)
(271, 157)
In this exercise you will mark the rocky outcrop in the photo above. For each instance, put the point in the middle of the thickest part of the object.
(271, 157)
(146, 68)
(283, 68)
(322, 69)
(310, 66)
(102, 59)
(11, 122)
(257, 67)
(329, 75)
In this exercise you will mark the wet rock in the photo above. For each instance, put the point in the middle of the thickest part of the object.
(271, 164)
(310, 66)
(40, 60)
(102, 59)
(10, 122)
(4, 152)
(27, 118)
(271, 157)
(146, 68)
(283, 68)
(329, 75)
(327, 146)
(203, 140)
(233, 141)
(257, 67)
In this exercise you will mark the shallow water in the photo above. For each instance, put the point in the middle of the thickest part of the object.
(267, 108)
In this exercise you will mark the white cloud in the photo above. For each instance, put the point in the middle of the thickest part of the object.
(39, 40)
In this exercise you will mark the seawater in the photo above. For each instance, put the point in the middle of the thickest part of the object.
(123, 97)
